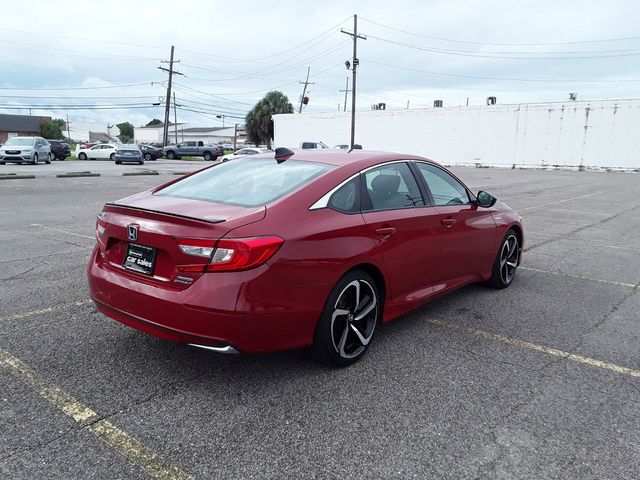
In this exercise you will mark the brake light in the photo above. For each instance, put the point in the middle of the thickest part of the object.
(233, 254)
(101, 225)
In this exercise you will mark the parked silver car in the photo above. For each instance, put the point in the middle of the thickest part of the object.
(25, 150)
(128, 153)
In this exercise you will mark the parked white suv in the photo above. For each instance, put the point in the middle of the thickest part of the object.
(25, 150)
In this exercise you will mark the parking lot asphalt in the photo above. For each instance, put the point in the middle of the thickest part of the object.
(541, 380)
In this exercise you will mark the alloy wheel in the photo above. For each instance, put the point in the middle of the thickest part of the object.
(509, 259)
(354, 318)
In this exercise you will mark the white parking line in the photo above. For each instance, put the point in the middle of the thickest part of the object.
(514, 342)
(562, 201)
(580, 277)
(116, 438)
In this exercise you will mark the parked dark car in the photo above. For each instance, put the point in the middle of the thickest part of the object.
(59, 150)
(130, 153)
(149, 152)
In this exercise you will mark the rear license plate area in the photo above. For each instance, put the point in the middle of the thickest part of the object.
(140, 258)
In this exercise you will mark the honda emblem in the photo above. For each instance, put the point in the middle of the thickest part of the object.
(132, 232)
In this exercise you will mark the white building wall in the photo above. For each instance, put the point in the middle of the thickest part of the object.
(593, 134)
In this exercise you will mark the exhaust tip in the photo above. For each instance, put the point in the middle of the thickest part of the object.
(223, 349)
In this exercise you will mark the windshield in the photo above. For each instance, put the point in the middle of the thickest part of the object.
(20, 141)
(247, 182)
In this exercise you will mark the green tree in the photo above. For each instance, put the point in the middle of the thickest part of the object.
(259, 123)
(155, 121)
(126, 132)
(53, 129)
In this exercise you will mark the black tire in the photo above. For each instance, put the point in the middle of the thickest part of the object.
(35, 159)
(118, 162)
(141, 162)
(82, 156)
(341, 339)
(48, 160)
(147, 157)
(52, 156)
(112, 157)
(207, 156)
(171, 155)
(506, 262)
(3, 163)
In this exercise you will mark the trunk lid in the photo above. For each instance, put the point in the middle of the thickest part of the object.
(161, 224)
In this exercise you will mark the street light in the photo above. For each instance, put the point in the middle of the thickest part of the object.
(222, 117)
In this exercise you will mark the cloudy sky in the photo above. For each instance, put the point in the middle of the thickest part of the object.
(97, 61)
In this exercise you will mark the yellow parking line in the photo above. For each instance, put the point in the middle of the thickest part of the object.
(117, 439)
(514, 342)
(66, 232)
(580, 277)
(55, 308)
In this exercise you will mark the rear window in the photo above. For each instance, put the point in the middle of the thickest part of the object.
(246, 182)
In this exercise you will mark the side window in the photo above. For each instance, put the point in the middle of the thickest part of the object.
(201, 144)
(390, 187)
(346, 199)
(445, 189)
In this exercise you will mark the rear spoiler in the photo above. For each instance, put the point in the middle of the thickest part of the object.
(212, 221)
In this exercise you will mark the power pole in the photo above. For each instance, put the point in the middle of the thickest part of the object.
(235, 136)
(354, 67)
(346, 92)
(304, 90)
(175, 117)
(68, 133)
(167, 108)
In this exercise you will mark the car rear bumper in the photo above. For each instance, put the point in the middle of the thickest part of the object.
(127, 158)
(250, 311)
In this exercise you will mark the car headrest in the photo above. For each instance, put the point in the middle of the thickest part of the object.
(386, 183)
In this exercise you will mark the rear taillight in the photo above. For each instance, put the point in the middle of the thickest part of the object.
(101, 225)
(227, 255)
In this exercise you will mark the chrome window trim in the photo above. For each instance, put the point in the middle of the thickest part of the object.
(323, 202)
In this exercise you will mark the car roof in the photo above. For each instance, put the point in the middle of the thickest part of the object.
(339, 157)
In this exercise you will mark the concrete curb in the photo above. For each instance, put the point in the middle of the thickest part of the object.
(14, 176)
(77, 174)
(180, 173)
(135, 174)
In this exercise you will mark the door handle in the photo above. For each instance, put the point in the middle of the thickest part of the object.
(385, 231)
(448, 222)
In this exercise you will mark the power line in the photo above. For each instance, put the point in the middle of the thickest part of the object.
(480, 77)
(431, 37)
(78, 88)
(464, 53)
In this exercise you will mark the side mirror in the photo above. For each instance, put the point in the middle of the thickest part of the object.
(485, 200)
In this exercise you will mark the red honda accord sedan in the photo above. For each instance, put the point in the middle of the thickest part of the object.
(310, 248)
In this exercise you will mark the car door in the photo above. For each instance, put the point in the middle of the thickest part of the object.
(468, 233)
(406, 227)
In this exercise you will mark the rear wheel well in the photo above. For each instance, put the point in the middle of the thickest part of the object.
(377, 276)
